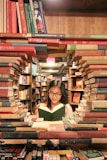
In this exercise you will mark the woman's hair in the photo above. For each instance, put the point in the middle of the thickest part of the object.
(64, 95)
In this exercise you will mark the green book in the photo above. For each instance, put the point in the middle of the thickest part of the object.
(52, 115)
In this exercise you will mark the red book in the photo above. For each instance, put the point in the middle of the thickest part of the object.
(6, 84)
(14, 54)
(12, 35)
(6, 70)
(8, 18)
(13, 17)
(56, 134)
(22, 16)
(92, 134)
(44, 40)
(30, 50)
(97, 66)
(95, 114)
(6, 93)
(98, 42)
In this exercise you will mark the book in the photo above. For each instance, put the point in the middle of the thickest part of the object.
(97, 79)
(14, 54)
(97, 73)
(7, 103)
(91, 134)
(95, 114)
(14, 124)
(96, 66)
(8, 70)
(92, 154)
(44, 40)
(6, 84)
(30, 50)
(46, 35)
(9, 64)
(10, 109)
(94, 62)
(82, 47)
(98, 104)
(99, 84)
(58, 135)
(98, 96)
(56, 115)
(22, 16)
(76, 97)
(6, 92)
(40, 5)
(40, 48)
(20, 135)
(77, 54)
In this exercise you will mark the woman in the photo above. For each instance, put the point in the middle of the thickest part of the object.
(56, 105)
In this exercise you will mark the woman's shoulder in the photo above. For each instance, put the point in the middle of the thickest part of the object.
(68, 105)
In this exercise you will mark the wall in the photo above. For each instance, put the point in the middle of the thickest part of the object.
(76, 23)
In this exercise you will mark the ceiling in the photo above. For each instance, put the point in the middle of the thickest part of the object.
(67, 6)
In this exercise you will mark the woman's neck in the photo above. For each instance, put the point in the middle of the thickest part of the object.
(54, 105)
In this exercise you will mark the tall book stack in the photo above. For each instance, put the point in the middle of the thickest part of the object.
(91, 113)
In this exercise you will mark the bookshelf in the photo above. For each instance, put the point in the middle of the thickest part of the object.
(75, 86)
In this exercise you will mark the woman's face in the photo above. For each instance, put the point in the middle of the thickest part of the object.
(55, 95)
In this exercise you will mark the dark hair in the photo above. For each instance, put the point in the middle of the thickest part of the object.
(61, 85)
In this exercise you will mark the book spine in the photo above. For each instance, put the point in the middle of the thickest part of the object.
(8, 19)
(67, 134)
(15, 54)
(12, 35)
(44, 40)
(42, 16)
(19, 135)
(13, 17)
(92, 134)
(30, 50)
(22, 16)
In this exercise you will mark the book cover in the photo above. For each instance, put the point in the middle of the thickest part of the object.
(44, 29)
(76, 97)
(55, 114)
